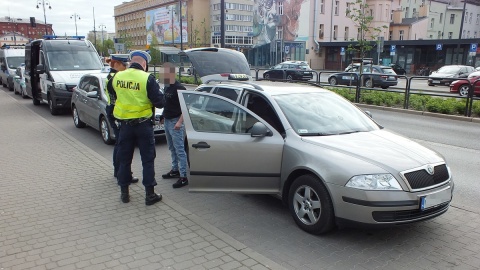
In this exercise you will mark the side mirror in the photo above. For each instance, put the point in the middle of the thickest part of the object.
(92, 94)
(260, 130)
(40, 69)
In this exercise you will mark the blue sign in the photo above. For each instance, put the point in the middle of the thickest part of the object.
(342, 50)
(393, 48)
(473, 47)
(287, 49)
(439, 46)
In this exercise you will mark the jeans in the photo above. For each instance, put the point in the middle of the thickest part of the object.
(175, 141)
(140, 135)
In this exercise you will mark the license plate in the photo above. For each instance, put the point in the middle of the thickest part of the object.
(434, 199)
(435, 81)
(159, 127)
(393, 78)
(347, 78)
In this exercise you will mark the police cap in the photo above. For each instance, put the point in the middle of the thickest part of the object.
(142, 54)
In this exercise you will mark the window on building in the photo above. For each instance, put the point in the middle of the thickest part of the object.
(391, 15)
(320, 31)
(470, 19)
(322, 6)
(441, 18)
(432, 22)
(347, 9)
(336, 8)
(468, 34)
(475, 34)
(371, 13)
(390, 35)
(466, 17)
(478, 18)
(335, 31)
(463, 34)
(414, 12)
(401, 34)
(280, 8)
(452, 18)
(407, 9)
(450, 35)
(439, 35)
(346, 34)
(280, 32)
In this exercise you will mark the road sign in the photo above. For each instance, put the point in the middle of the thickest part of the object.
(119, 47)
(473, 47)
(439, 46)
(393, 49)
(286, 49)
(342, 50)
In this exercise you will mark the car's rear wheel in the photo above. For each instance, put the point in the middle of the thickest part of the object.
(76, 118)
(266, 76)
(332, 81)
(105, 129)
(289, 78)
(368, 83)
(310, 205)
(463, 90)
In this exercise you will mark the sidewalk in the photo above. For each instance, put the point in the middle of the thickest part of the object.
(60, 208)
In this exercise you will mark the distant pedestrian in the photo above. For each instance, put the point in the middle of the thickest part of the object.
(174, 127)
(117, 62)
(137, 94)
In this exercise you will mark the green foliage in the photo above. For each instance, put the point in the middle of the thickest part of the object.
(476, 108)
(188, 80)
(155, 53)
(344, 92)
(418, 102)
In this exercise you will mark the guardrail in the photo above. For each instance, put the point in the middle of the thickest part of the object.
(407, 91)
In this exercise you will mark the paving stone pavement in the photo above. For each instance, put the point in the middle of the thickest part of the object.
(60, 209)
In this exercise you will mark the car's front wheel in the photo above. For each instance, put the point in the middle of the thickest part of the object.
(368, 83)
(332, 81)
(266, 76)
(463, 90)
(289, 78)
(76, 118)
(105, 129)
(310, 205)
(53, 110)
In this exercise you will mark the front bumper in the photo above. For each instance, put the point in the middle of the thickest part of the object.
(440, 81)
(390, 207)
(61, 98)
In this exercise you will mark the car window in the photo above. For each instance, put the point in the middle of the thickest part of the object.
(84, 83)
(229, 93)
(217, 115)
(204, 89)
(278, 67)
(388, 71)
(366, 69)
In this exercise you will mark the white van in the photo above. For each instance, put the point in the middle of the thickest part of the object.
(11, 57)
(53, 67)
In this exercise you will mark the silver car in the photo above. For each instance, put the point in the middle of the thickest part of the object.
(328, 161)
(89, 101)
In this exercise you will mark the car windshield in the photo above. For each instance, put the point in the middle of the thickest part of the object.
(322, 114)
(74, 60)
(388, 71)
(15, 61)
(448, 69)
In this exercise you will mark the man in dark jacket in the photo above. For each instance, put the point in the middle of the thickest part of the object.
(174, 128)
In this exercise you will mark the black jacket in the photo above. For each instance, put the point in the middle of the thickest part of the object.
(172, 104)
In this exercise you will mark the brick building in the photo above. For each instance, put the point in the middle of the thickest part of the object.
(22, 27)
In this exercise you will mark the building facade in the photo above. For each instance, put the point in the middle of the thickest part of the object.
(22, 27)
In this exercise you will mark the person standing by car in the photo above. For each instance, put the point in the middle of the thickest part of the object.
(137, 93)
(117, 62)
(174, 128)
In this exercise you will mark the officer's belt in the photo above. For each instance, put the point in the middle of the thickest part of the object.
(134, 122)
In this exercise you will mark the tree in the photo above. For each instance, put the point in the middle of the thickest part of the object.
(367, 36)
(154, 52)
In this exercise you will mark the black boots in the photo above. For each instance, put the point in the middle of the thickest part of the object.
(124, 196)
(151, 197)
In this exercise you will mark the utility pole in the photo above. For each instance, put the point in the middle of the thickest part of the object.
(222, 23)
(181, 25)
(461, 30)
(43, 3)
(102, 27)
(75, 16)
(94, 30)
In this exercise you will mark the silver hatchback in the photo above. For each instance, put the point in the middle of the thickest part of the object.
(326, 159)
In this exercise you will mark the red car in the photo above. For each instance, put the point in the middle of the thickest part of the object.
(461, 86)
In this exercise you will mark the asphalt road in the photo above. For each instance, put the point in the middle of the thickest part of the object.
(264, 224)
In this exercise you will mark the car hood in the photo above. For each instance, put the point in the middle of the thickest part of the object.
(209, 63)
(385, 149)
(69, 77)
(443, 75)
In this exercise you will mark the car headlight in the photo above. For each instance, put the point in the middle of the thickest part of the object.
(60, 86)
(374, 182)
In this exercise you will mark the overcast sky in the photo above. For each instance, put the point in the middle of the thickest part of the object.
(61, 11)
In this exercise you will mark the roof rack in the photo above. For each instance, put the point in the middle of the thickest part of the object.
(5, 46)
(256, 86)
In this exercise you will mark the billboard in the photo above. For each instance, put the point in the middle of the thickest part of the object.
(163, 25)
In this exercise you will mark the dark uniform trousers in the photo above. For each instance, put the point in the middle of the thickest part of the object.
(116, 131)
(131, 135)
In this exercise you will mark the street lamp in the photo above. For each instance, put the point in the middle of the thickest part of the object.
(171, 11)
(75, 16)
(102, 27)
(44, 3)
(14, 31)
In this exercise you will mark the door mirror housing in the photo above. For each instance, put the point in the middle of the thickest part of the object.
(92, 94)
(260, 130)
(40, 69)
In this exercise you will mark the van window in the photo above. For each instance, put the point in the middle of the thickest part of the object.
(73, 60)
(15, 61)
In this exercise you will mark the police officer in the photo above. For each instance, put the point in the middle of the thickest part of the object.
(137, 93)
(118, 62)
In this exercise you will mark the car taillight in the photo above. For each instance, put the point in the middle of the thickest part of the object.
(384, 77)
(224, 74)
(74, 88)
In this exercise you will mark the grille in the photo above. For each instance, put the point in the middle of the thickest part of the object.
(421, 179)
(407, 215)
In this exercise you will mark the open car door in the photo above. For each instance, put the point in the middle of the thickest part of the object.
(230, 148)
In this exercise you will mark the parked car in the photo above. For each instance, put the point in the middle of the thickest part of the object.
(327, 160)
(89, 100)
(373, 76)
(290, 70)
(398, 69)
(462, 86)
(447, 74)
(19, 87)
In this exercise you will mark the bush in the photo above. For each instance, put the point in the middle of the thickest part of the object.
(188, 80)
(476, 108)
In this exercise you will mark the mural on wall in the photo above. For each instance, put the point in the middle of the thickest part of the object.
(291, 14)
(163, 24)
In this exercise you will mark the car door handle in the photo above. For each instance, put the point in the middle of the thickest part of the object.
(201, 145)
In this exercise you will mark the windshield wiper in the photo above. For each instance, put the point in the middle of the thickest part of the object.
(316, 134)
(349, 132)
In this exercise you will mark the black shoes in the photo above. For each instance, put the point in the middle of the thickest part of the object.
(134, 180)
(182, 181)
(171, 174)
(151, 197)
(124, 196)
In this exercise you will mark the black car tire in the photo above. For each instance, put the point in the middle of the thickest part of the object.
(333, 81)
(23, 93)
(105, 130)
(289, 77)
(52, 108)
(368, 83)
(301, 205)
(384, 87)
(15, 91)
(266, 76)
(463, 90)
(76, 118)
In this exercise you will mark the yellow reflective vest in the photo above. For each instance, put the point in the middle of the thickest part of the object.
(132, 100)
